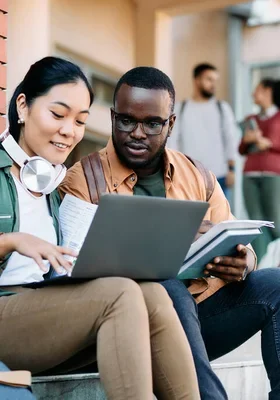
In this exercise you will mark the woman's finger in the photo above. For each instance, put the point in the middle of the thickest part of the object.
(66, 264)
(55, 264)
(67, 251)
(39, 261)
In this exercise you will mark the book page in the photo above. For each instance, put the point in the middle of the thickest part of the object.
(75, 217)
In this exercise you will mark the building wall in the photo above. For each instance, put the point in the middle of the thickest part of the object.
(199, 38)
(29, 33)
(101, 31)
(3, 61)
(260, 44)
(101, 34)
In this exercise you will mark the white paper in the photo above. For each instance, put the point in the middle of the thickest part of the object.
(75, 218)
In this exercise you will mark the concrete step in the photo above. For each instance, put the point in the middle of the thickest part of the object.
(242, 380)
(68, 387)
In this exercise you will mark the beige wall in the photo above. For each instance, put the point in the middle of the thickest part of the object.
(199, 38)
(261, 44)
(29, 37)
(102, 31)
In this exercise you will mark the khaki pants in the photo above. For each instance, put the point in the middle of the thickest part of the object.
(133, 328)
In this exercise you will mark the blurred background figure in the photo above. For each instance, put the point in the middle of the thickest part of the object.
(205, 128)
(261, 146)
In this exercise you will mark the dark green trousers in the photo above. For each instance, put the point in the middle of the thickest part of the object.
(262, 200)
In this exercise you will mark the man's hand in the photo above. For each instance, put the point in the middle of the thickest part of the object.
(204, 227)
(231, 269)
(230, 179)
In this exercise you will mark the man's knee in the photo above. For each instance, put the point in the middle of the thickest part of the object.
(266, 283)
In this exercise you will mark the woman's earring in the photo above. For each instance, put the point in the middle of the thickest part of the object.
(20, 121)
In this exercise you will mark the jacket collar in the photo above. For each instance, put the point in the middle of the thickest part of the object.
(5, 160)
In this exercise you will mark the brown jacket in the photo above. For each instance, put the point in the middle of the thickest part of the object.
(182, 181)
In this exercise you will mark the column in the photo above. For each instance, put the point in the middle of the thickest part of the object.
(29, 37)
(3, 62)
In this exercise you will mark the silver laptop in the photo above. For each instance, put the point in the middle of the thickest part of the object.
(138, 237)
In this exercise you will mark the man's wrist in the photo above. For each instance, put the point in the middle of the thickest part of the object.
(231, 168)
(251, 259)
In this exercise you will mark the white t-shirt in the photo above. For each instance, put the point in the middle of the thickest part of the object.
(36, 220)
(202, 136)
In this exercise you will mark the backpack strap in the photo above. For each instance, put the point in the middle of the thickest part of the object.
(180, 137)
(207, 177)
(95, 178)
(222, 122)
(94, 174)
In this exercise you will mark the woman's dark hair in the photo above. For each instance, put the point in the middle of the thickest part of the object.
(267, 83)
(274, 85)
(41, 77)
(276, 93)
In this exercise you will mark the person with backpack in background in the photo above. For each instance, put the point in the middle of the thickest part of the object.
(206, 128)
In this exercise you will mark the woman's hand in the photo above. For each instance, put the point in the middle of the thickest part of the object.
(263, 143)
(252, 136)
(39, 250)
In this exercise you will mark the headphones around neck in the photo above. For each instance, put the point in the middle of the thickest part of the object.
(36, 174)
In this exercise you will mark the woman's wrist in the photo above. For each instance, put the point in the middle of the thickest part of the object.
(6, 244)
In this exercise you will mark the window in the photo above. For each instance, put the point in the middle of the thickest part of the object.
(103, 80)
(89, 144)
(103, 90)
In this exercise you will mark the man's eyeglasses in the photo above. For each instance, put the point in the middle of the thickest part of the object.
(124, 123)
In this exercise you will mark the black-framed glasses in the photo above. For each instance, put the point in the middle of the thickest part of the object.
(151, 126)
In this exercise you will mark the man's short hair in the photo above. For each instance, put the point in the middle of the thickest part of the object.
(147, 78)
(200, 68)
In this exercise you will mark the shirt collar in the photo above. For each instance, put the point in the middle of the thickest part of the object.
(121, 173)
(269, 112)
(5, 160)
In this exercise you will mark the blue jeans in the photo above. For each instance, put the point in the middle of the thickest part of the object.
(227, 319)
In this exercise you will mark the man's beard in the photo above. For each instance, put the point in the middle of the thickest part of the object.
(140, 164)
(206, 94)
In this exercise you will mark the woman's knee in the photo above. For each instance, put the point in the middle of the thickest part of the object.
(123, 287)
(116, 293)
(155, 295)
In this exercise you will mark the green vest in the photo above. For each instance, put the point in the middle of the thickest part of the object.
(9, 206)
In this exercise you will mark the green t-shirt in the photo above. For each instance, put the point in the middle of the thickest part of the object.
(152, 185)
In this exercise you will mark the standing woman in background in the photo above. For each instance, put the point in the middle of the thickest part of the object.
(261, 146)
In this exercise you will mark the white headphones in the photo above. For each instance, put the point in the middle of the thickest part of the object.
(36, 174)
